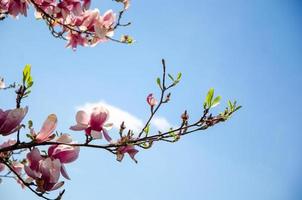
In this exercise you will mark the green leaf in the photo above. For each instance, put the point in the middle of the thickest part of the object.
(147, 129)
(237, 108)
(216, 101)
(209, 98)
(171, 77)
(179, 76)
(30, 124)
(158, 82)
(230, 105)
(26, 72)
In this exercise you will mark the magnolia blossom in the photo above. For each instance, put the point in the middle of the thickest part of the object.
(14, 7)
(10, 120)
(62, 10)
(126, 149)
(46, 132)
(151, 100)
(44, 170)
(93, 124)
(99, 27)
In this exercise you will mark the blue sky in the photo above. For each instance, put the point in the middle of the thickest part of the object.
(246, 50)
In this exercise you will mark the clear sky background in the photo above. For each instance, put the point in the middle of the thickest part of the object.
(247, 50)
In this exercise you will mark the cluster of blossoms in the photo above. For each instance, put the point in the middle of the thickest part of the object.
(44, 169)
(77, 24)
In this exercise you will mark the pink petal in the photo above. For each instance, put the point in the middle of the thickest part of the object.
(34, 158)
(57, 186)
(2, 167)
(98, 118)
(78, 127)
(64, 172)
(47, 129)
(82, 118)
(106, 135)
(13, 120)
(132, 153)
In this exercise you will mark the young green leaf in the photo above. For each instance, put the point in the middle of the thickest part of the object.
(179, 76)
(216, 101)
(147, 129)
(209, 98)
(171, 77)
(158, 82)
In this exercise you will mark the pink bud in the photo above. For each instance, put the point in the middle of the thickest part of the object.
(151, 100)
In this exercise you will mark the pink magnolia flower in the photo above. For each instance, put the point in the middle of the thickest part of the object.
(151, 100)
(86, 4)
(65, 153)
(93, 124)
(91, 21)
(126, 149)
(16, 7)
(75, 39)
(50, 170)
(46, 132)
(44, 170)
(10, 120)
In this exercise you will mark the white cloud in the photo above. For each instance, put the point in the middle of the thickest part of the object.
(117, 116)
(161, 123)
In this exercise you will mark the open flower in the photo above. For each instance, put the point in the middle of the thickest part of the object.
(151, 100)
(46, 132)
(126, 148)
(44, 170)
(10, 120)
(93, 124)
(16, 7)
(50, 174)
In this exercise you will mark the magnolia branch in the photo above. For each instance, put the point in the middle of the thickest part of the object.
(126, 141)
